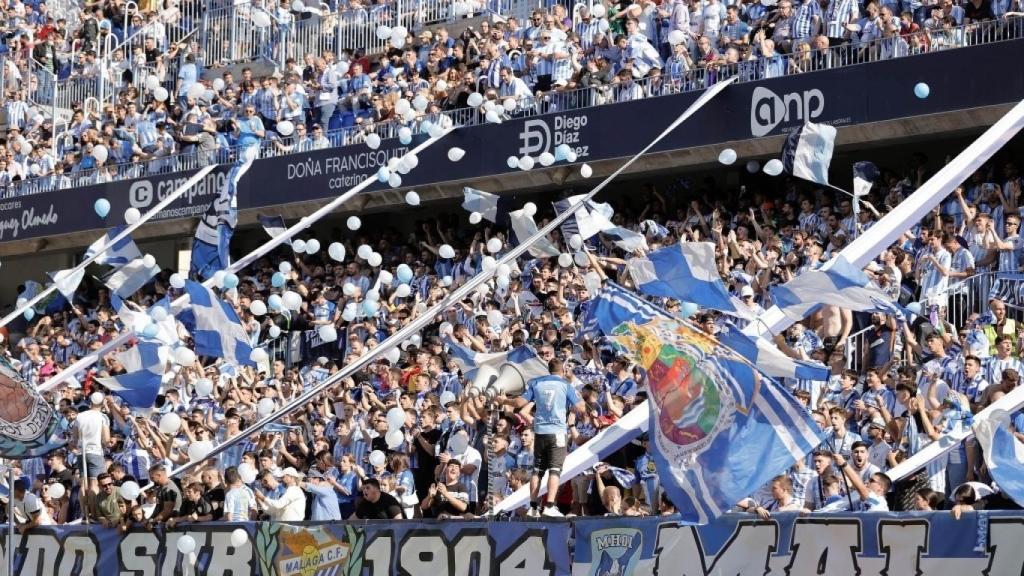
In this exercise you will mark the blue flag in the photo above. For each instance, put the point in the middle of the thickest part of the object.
(841, 284)
(213, 234)
(30, 425)
(718, 429)
(686, 271)
(117, 255)
(807, 152)
(214, 325)
(1004, 454)
(469, 361)
(144, 364)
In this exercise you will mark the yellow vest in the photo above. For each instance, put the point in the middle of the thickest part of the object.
(1009, 329)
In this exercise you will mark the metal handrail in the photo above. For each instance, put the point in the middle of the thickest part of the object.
(581, 98)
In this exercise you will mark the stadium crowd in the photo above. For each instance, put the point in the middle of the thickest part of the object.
(168, 99)
(456, 453)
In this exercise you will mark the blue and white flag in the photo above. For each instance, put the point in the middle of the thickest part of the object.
(652, 228)
(718, 429)
(274, 226)
(67, 281)
(1004, 454)
(117, 255)
(686, 271)
(469, 361)
(614, 305)
(210, 248)
(864, 176)
(144, 366)
(840, 284)
(128, 279)
(485, 203)
(768, 358)
(594, 218)
(807, 152)
(523, 227)
(214, 325)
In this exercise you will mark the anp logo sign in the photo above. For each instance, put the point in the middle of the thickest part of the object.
(768, 109)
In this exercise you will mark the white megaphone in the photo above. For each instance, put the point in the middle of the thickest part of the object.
(511, 381)
(485, 376)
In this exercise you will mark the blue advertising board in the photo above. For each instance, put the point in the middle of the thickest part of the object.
(881, 91)
(790, 544)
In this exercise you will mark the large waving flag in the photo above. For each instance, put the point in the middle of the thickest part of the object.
(469, 361)
(213, 234)
(807, 152)
(29, 423)
(1004, 454)
(718, 429)
(686, 271)
(767, 356)
(117, 255)
(128, 279)
(144, 366)
(485, 203)
(523, 227)
(214, 325)
(841, 284)
(274, 226)
(613, 305)
(864, 176)
(594, 218)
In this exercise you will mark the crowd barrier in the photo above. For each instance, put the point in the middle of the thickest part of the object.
(881, 544)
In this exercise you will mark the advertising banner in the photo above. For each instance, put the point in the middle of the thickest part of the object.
(959, 79)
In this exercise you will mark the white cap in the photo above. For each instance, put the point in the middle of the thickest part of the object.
(96, 398)
(290, 471)
(746, 291)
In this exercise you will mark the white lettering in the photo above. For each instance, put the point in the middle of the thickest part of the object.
(225, 559)
(746, 553)
(1006, 555)
(469, 549)
(902, 544)
(138, 554)
(824, 547)
(424, 555)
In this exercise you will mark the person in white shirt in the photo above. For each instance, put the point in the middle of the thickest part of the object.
(90, 434)
(291, 506)
(860, 461)
(239, 502)
(29, 510)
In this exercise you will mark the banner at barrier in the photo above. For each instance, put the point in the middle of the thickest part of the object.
(1008, 287)
(276, 549)
(882, 544)
(743, 112)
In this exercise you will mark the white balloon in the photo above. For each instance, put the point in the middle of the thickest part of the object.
(409, 116)
(581, 259)
(420, 103)
(354, 223)
(158, 314)
(458, 443)
(291, 300)
(441, 85)
(132, 215)
(435, 131)
(385, 278)
(586, 171)
(475, 217)
(265, 407)
(372, 141)
(312, 246)
(377, 458)
(100, 153)
(284, 267)
(327, 333)
(405, 133)
(456, 154)
(258, 355)
(495, 318)
(526, 163)
(446, 251)
(349, 314)
(402, 105)
(394, 439)
(575, 241)
(489, 105)
(129, 490)
(373, 295)
(170, 423)
(513, 162)
(403, 291)
(488, 263)
(204, 386)
(364, 251)
(160, 93)
(239, 536)
(565, 260)
(494, 245)
(374, 260)
(727, 156)
(198, 451)
(509, 104)
(546, 159)
(445, 329)
(248, 475)
(597, 11)
(336, 251)
(475, 99)
(196, 90)
(299, 245)
(218, 84)
(383, 32)
(773, 167)
(177, 281)
(153, 82)
(274, 331)
(285, 128)
(395, 180)
(184, 356)
(502, 281)
(676, 37)
(530, 209)
(411, 160)
(56, 490)
(396, 418)
(493, 117)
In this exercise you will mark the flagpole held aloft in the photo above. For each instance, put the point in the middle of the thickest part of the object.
(110, 244)
(450, 300)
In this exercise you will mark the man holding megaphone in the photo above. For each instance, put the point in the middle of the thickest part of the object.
(552, 396)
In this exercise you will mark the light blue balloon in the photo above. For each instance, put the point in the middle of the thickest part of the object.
(102, 207)
(921, 90)
(370, 307)
(383, 174)
(274, 302)
(915, 308)
(30, 314)
(405, 139)
(149, 331)
(231, 280)
(403, 273)
(277, 280)
(688, 309)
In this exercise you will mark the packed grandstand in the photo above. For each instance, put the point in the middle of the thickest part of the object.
(100, 92)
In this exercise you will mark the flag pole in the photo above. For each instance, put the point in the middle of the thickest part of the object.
(93, 357)
(451, 299)
(113, 242)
